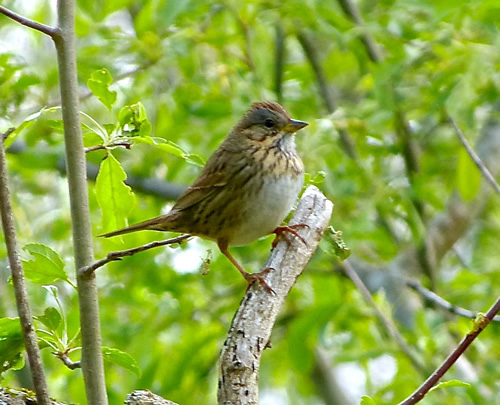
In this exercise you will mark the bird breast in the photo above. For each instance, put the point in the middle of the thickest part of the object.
(266, 209)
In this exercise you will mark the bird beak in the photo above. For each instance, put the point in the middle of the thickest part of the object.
(294, 125)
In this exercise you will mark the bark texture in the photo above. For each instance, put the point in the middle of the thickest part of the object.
(252, 325)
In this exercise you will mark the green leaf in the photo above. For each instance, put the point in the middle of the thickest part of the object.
(121, 359)
(468, 176)
(11, 344)
(134, 121)
(28, 121)
(172, 148)
(451, 383)
(47, 266)
(365, 400)
(99, 83)
(51, 318)
(125, 115)
(162, 144)
(114, 197)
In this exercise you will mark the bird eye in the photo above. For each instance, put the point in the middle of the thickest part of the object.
(269, 123)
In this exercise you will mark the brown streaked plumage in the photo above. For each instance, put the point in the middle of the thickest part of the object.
(246, 188)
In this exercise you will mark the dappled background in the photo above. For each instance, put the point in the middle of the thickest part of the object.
(378, 84)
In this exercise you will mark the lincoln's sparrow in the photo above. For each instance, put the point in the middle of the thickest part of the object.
(246, 188)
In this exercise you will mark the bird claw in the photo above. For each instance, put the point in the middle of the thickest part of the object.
(258, 277)
(281, 230)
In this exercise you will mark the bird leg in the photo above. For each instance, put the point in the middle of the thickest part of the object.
(280, 232)
(249, 277)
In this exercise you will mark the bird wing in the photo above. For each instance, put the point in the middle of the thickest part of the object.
(204, 187)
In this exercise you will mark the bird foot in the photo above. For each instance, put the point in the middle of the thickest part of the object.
(280, 232)
(251, 278)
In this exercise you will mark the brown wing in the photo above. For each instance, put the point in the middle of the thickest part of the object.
(202, 188)
(212, 179)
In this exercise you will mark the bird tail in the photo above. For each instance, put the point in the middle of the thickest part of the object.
(154, 224)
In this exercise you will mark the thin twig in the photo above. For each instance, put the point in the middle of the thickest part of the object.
(441, 302)
(312, 55)
(248, 58)
(390, 327)
(50, 31)
(72, 365)
(479, 326)
(126, 145)
(114, 256)
(477, 160)
(6, 134)
(409, 147)
(370, 44)
(279, 60)
(22, 301)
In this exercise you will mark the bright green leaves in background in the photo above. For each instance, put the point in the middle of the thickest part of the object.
(468, 176)
(11, 345)
(170, 79)
(172, 148)
(53, 333)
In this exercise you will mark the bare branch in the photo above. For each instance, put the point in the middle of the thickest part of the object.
(21, 396)
(72, 365)
(92, 358)
(126, 145)
(441, 302)
(113, 256)
(50, 31)
(351, 9)
(279, 60)
(477, 160)
(251, 327)
(312, 55)
(409, 148)
(145, 397)
(6, 134)
(388, 324)
(479, 325)
(22, 301)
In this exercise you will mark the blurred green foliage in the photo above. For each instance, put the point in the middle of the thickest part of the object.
(171, 78)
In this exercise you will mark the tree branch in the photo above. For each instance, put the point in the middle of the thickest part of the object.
(311, 53)
(113, 256)
(45, 29)
(279, 60)
(479, 325)
(146, 185)
(441, 302)
(72, 365)
(477, 160)
(387, 323)
(330, 388)
(126, 145)
(409, 148)
(21, 396)
(92, 359)
(251, 327)
(22, 301)
(145, 397)
(372, 48)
